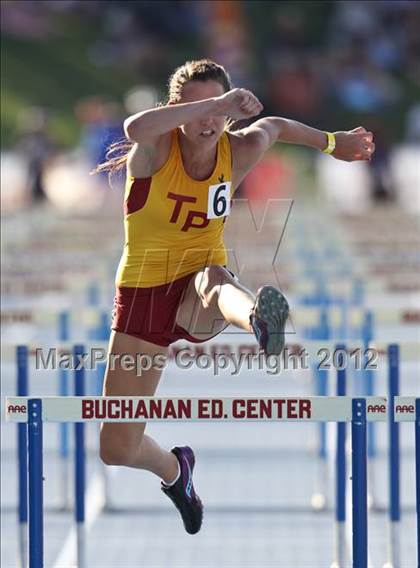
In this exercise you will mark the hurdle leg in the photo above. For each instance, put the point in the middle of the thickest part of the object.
(63, 390)
(417, 438)
(319, 497)
(22, 432)
(340, 549)
(23, 494)
(393, 560)
(359, 483)
(105, 470)
(103, 334)
(80, 466)
(64, 448)
(369, 390)
(36, 511)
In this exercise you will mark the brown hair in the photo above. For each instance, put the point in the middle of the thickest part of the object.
(201, 70)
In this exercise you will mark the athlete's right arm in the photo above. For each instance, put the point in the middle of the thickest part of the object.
(152, 123)
(150, 129)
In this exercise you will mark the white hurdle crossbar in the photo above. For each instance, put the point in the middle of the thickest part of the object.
(79, 409)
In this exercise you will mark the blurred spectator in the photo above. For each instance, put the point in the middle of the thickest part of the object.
(294, 90)
(412, 129)
(37, 146)
(330, 64)
(227, 39)
(380, 166)
(359, 85)
(101, 121)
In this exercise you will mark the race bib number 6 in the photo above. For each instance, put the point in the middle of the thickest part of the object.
(219, 200)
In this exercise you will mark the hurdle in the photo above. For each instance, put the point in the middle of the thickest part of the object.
(408, 349)
(321, 332)
(353, 288)
(393, 460)
(340, 552)
(303, 315)
(22, 353)
(80, 409)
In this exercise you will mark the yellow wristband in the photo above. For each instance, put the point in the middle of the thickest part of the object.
(331, 143)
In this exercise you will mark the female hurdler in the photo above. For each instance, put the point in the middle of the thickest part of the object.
(183, 166)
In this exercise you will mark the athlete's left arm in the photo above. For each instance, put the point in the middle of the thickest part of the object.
(356, 144)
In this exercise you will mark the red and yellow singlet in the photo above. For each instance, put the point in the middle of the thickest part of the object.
(174, 224)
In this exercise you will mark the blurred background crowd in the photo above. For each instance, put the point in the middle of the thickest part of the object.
(72, 70)
(337, 237)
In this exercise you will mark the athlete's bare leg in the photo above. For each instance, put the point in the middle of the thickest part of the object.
(126, 444)
(212, 299)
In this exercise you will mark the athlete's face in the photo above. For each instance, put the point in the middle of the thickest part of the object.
(206, 130)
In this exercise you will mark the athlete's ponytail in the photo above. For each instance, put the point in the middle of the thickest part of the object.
(201, 70)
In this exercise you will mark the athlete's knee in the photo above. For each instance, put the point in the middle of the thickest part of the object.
(210, 280)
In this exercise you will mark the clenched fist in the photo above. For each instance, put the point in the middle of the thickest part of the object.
(356, 144)
(240, 103)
